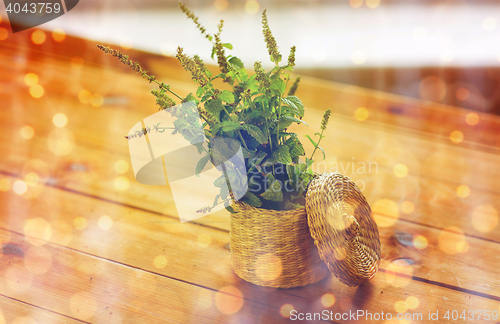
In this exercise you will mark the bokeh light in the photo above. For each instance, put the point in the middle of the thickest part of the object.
(5, 184)
(31, 79)
(407, 207)
(398, 274)
(37, 231)
(27, 132)
(204, 240)
(462, 94)
(489, 24)
(420, 242)
(220, 5)
(80, 223)
(400, 306)
(19, 187)
(121, 183)
(82, 305)
(327, 300)
(359, 57)
(463, 247)
(3, 34)
(58, 35)
(62, 232)
(451, 240)
(97, 100)
(268, 267)
(37, 91)
(286, 309)
(84, 96)
(472, 119)
(32, 179)
(485, 218)
(386, 212)
(456, 136)
(361, 113)
(38, 37)
(160, 262)
(229, 300)
(400, 170)
(432, 88)
(340, 253)
(60, 120)
(105, 222)
(37, 260)
(463, 191)
(252, 7)
(372, 4)
(76, 62)
(355, 3)
(121, 166)
(61, 141)
(412, 302)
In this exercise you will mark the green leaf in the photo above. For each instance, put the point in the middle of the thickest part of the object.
(214, 107)
(236, 62)
(190, 97)
(273, 193)
(251, 199)
(294, 103)
(255, 132)
(322, 151)
(286, 121)
(201, 164)
(226, 126)
(199, 92)
(230, 209)
(227, 45)
(297, 150)
(247, 154)
(312, 141)
(281, 155)
(227, 96)
(220, 75)
(278, 85)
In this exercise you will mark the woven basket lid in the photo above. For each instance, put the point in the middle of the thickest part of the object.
(343, 228)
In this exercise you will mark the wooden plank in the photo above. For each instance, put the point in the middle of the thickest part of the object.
(15, 311)
(136, 238)
(92, 289)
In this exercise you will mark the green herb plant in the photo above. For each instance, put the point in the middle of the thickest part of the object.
(257, 112)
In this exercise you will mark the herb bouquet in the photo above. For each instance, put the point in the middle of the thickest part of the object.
(270, 240)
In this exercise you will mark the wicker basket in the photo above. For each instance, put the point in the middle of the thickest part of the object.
(280, 248)
(274, 248)
(343, 228)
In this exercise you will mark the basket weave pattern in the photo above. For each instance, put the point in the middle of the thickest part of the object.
(274, 248)
(343, 228)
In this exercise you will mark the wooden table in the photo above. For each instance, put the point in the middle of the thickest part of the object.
(83, 242)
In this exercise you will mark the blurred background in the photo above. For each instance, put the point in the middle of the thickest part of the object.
(436, 50)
